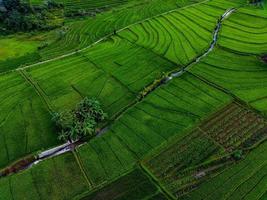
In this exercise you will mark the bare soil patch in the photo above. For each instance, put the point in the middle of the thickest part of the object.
(264, 58)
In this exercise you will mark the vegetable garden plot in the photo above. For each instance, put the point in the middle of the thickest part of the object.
(132, 186)
(25, 124)
(182, 165)
(243, 180)
(234, 125)
(177, 164)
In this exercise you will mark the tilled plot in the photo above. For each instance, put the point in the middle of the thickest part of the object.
(233, 125)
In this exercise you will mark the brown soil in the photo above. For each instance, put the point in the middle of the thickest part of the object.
(17, 166)
(264, 58)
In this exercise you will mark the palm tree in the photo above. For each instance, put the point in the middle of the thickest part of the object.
(80, 122)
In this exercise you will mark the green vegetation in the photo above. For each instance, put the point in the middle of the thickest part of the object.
(132, 186)
(16, 47)
(244, 180)
(184, 120)
(24, 120)
(20, 16)
(80, 122)
(56, 178)
(143, 128)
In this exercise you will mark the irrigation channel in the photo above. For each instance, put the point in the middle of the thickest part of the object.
(67, 147)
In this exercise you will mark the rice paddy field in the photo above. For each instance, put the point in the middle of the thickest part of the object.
(184, 86)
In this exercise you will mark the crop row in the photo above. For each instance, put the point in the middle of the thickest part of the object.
(244, 180)
(188, 152)
(233, 125)
(242, 75)
(82, 33)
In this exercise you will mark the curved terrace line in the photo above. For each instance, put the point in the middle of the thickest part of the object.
(102, 39)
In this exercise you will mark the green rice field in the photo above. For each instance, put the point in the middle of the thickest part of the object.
(184, 87)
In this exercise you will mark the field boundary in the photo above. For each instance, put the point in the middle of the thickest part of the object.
(37, 89)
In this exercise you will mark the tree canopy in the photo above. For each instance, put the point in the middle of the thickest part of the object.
(80, 122)
(21, 16)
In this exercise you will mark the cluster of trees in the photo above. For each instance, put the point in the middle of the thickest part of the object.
(80, 122)
(18, 15)
(254, 1)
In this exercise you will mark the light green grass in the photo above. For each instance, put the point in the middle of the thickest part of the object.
(13, 47)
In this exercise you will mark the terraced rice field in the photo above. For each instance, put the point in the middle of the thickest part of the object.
(128, 140)
(197, 135)
(80, 34)
(114, 71)
(171, 164)
(235, 66)
(56, 178)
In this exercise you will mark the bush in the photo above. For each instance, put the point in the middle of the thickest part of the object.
(238, 154)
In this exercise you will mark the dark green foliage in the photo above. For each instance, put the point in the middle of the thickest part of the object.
(132, 186)
(20, 16)
(238, 154)
(254, 1)
(81, 121)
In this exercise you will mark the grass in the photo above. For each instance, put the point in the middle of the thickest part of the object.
(14, 47)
